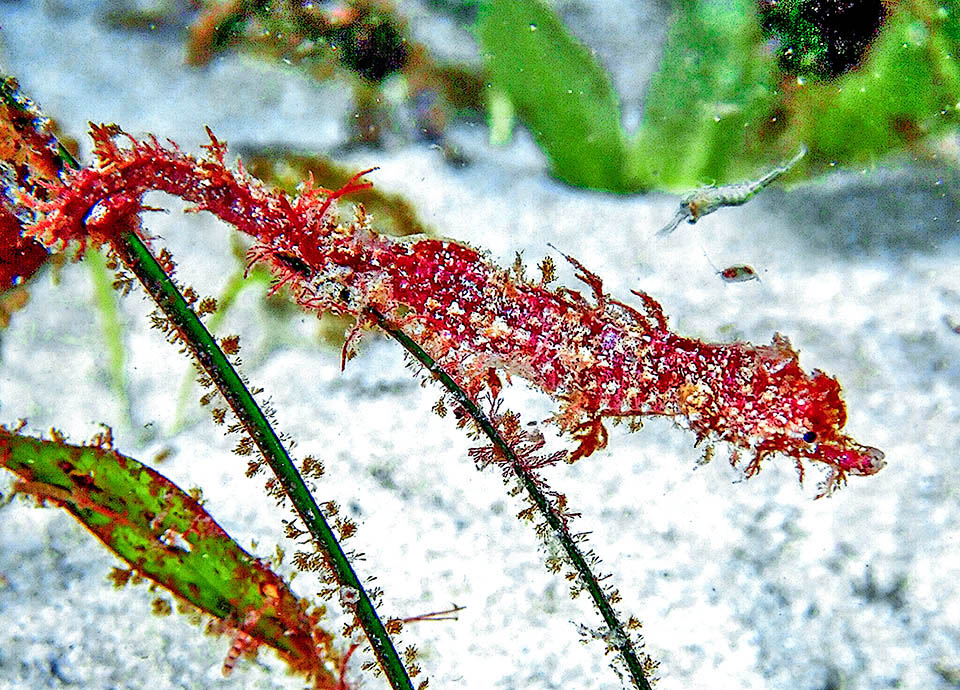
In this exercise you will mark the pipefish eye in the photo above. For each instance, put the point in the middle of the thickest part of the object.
(810, 436)
(293, 263)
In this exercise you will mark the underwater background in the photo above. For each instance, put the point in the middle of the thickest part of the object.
(739, 583)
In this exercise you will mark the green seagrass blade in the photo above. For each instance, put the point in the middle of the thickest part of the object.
(165, 535)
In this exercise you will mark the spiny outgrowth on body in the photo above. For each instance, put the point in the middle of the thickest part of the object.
(597, 357)
(29, 159)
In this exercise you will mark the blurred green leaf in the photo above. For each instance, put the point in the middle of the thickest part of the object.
(557, 88)
(720, 108)
(714, 86)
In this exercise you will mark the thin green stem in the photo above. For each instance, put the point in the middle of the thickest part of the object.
(105, 298)
(620, 638)
(157, 283)
(214, 362)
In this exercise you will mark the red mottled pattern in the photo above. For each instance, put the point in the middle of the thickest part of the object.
(20, 257)
(597, 357)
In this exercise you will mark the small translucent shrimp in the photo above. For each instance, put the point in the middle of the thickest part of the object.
(708, 199)
(737, 273)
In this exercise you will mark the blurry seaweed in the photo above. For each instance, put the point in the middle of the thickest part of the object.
(903, 96)
(713, 88)
(286, 169)
(557, 89)
(365, 42)
(740, 83)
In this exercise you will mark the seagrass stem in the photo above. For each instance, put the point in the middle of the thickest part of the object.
(621, 639)
(214, 362)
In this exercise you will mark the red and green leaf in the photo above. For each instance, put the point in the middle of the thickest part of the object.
(165, 535)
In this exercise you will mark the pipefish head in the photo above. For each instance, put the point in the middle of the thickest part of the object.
(822, 416)
(805, 415)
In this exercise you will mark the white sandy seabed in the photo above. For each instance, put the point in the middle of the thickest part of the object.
(739, 584)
